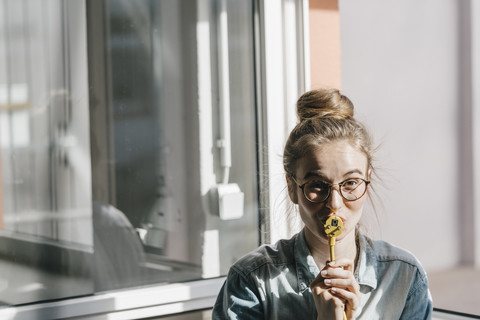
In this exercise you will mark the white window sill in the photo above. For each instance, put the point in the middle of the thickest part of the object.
(126, 304)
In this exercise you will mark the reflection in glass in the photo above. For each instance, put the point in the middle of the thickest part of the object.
(103, 183)
(46, 239)
(151, 61)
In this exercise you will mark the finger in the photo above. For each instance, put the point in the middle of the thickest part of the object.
(339, 307)
(338, 301)
(331, 272)
(317, 290)
(344, 263)
(352, 300)
(349, 284)
(333, 269)
(318, 281)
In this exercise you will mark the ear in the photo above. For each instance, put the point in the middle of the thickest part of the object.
(292, 189)
(369, 173)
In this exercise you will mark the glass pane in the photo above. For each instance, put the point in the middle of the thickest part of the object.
(160, 193)
(46, 239)
(110, 163)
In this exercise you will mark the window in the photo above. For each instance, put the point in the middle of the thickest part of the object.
(128, 144)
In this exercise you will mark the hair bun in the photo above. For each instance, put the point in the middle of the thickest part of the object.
(324, 103)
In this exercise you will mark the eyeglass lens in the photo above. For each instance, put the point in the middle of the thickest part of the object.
(318, 191)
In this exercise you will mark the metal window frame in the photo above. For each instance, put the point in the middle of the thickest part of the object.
(283, 65)
(440, 314)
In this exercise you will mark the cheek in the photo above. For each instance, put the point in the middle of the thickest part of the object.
(356, 210)
(356, 205)
(309, 209)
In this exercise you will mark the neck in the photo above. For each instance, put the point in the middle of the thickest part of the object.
(345, 247)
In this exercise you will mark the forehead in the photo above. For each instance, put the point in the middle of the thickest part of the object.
(333, 161)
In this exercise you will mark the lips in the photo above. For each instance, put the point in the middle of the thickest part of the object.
(343, 220)
(325, 218)
(323, 221)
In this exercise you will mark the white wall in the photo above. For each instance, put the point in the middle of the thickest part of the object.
(401, 67)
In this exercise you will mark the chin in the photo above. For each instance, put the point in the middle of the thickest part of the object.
(322, 235)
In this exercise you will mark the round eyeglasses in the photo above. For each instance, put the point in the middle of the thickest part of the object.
(318, 191)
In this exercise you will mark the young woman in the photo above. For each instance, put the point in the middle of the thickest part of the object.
(328, 165)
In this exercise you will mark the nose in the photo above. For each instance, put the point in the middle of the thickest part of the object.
(334, 200)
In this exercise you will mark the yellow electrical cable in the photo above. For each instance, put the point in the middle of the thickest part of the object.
(333, 228)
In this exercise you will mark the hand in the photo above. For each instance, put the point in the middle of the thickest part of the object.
(335, 290)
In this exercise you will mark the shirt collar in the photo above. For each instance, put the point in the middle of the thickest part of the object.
(307, 269)
(366, 272)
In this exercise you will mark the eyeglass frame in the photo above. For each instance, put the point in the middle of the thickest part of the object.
(330, 187)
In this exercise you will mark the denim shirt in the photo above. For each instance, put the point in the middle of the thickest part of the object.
(273, 281)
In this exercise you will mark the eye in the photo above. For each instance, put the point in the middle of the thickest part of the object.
(316, 191)
(351, 184)
(316, 186)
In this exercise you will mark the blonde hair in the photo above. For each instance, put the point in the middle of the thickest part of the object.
(324, 115)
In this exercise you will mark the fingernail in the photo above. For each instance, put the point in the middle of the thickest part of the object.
(328, 282)
(331, 263)
(323, 273)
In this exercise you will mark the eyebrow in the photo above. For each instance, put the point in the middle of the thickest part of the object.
(318, 174)
(353, 171)
(313, 174)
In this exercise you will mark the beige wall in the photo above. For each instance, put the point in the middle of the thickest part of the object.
(325, 47)
(403, 69)
(375, 59)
